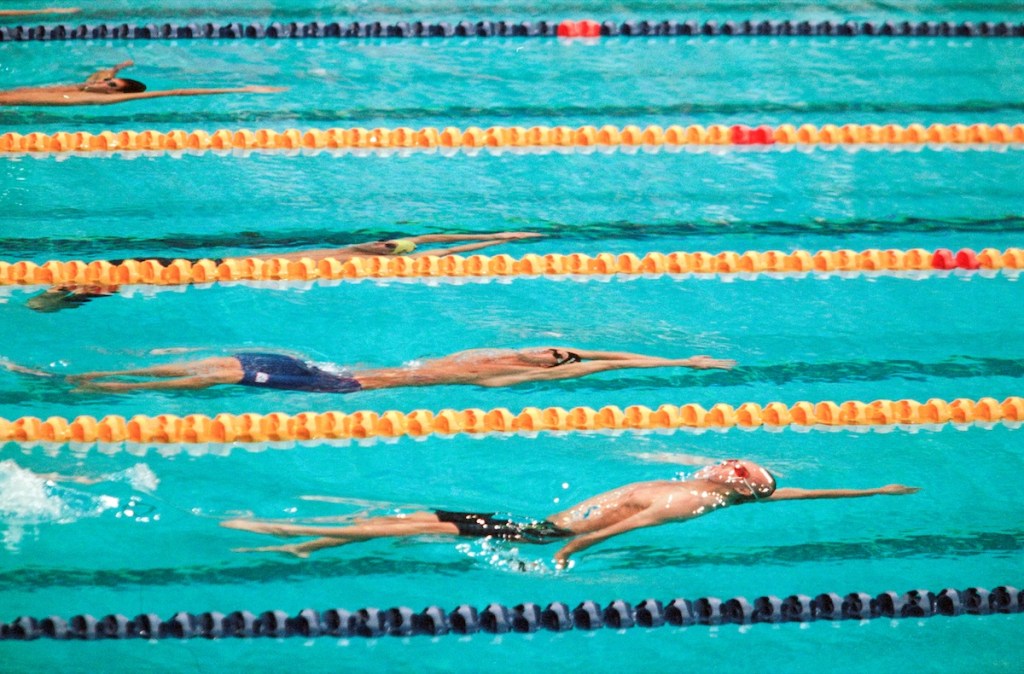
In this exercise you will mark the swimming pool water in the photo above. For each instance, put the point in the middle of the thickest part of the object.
(122, 547)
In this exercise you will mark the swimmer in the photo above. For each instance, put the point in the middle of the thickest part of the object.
(46, 10)
(478, 367)
(633, 506)
(104, 87)
(70, 296)
(138, 476)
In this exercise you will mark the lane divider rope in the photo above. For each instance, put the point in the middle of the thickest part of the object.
(915, 262)
(170, 429)
(586, 28)
(527, 617)
(512, 137)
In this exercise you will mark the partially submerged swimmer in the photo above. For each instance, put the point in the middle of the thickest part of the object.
(104, 87)
(479, 367)
(45, 10)
(633, 506)
(70, 295)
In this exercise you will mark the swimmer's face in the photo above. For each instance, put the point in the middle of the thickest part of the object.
(746, 478)
(377, 248)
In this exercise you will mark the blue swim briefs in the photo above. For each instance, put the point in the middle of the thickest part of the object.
(273, 370)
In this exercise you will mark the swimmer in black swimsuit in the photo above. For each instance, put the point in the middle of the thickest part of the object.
(633, 506)
(479, 367)
(70, 295)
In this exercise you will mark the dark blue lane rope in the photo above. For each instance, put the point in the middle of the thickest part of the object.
(419, 29)
(525, 618)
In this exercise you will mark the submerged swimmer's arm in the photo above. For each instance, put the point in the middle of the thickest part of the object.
(644, 518)
(254, 89)
(794, 494)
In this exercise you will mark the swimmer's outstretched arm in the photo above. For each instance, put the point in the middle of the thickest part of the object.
(452, 238)
(99, 99)
(466, 248)
(614, 355)
(252, 89)
(794, 494)
(573, 370)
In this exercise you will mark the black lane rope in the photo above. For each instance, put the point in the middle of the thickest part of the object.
(524, 618)
(420, 29)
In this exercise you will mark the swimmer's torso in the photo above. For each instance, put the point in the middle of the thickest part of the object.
(670, 500)
(468, 367)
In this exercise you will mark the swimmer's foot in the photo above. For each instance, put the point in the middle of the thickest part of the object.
(257, 527)
(294, 549)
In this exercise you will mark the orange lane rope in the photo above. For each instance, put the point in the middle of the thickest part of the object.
(429, 138)
(183, 272)
(367, 425)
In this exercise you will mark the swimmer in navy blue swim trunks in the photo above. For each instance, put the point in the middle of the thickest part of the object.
(70, 295)
(633, 506)
(479, 367)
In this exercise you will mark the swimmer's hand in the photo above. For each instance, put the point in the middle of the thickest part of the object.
(562, 561)
(260, 89)
(897, 490)
(709, 363)
(509, 236)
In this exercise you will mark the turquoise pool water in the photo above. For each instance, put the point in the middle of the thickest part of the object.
(125, 546)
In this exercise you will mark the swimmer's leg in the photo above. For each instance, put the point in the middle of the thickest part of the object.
(228, 367)
(415, 524)
(299, 549)
(183, 383)
(21, 369)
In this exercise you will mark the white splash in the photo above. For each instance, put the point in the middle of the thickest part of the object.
(27, 499)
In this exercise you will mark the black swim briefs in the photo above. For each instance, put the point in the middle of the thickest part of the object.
(484, 525)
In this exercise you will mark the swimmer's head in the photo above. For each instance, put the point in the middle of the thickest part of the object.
(747, 480)
(388, 247)
(115, 85)
(548, 357)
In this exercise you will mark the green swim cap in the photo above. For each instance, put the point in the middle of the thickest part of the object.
(403, 246)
